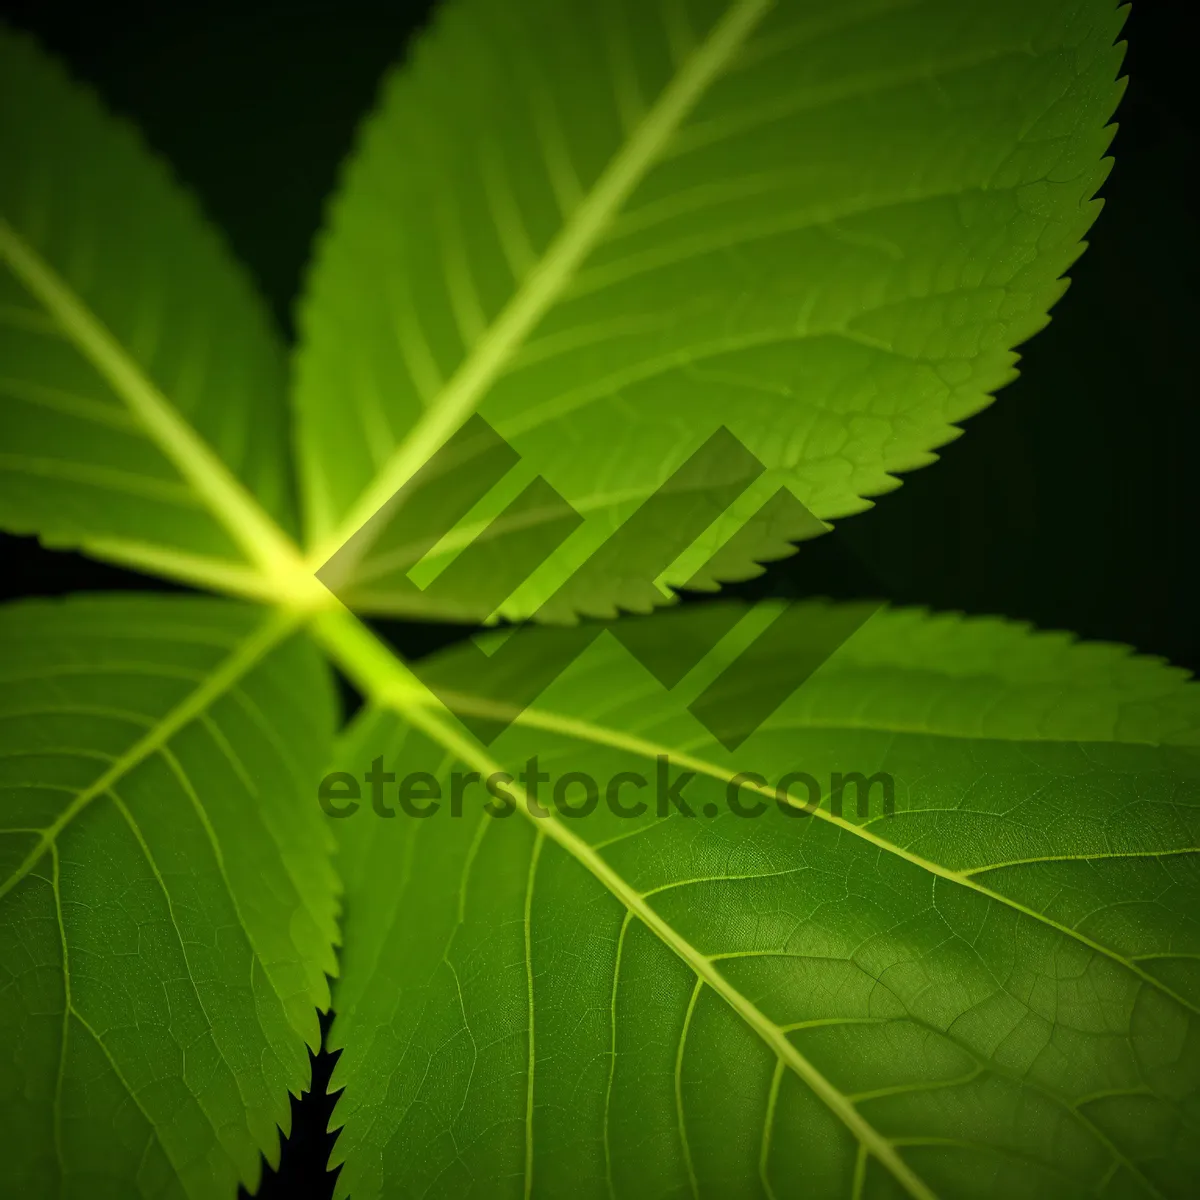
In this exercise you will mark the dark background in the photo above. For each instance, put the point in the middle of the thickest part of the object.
(1069, 503)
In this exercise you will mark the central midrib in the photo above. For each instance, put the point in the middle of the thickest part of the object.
(554, 271)
(703, 967)
(224, 495)
(388, 682)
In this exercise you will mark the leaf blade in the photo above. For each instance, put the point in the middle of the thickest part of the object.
(134, 348)
(927, 1004)
(839, 281)
(178, 905)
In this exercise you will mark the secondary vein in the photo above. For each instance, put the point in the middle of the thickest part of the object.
(703, 966)
(602, 735)
(533, 865)
(227, 499)
(557, 267)
(386, 680)
(269, 633)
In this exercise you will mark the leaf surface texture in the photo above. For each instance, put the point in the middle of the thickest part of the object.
(144, 407)
(611, 229)
(167, 906)
(991, 992)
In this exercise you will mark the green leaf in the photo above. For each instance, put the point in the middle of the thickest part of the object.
(142, 402)
(167, 907)
(992, 992)
(612, 228)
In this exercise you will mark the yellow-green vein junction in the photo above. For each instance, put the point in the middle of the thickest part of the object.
(230, 503)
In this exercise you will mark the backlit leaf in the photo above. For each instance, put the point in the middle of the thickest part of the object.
(142, 407)
(990, 992)
(167, 908)
(610, 229)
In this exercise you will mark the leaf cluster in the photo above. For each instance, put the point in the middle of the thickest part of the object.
(607, 230)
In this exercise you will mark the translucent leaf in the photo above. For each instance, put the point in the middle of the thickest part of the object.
(986, 988)
(142, 405)
(167, 907)
(611, 229)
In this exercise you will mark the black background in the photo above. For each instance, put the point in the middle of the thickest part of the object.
(1069, 503)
